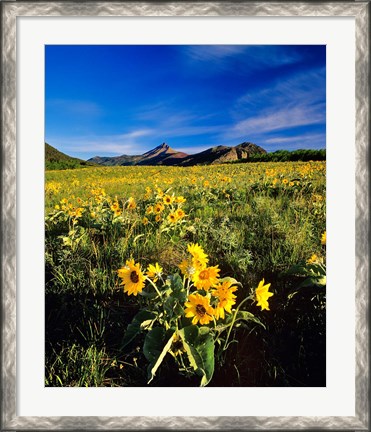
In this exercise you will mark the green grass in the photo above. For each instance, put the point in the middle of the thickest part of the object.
(252, 226)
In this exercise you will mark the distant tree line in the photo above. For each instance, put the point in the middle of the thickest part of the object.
(65, 164)
(288, 156)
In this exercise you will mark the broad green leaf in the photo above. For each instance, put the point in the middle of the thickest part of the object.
(135, 326)
(248, 316)
(314, 281)
(161, 357)
(199, 345)
(153, 344)
(148, 294)
(232, 280)
(176, 282)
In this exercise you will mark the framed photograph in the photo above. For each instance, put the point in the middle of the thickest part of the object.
(185, 215)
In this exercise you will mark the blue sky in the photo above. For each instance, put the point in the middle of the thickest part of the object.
(127, 99)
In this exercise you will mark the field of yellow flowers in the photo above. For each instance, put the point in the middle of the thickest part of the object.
(171, 276)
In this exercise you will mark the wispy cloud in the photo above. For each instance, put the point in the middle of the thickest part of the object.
(212, 52)
(127, 143)
(293, 102)
(75, 107)
(249, 57)
(304, 88)
(278, 119)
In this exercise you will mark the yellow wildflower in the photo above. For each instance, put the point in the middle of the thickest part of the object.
(131, 203)
(206, 278)
(262, 295)
(314, 259)
(154, 271)
(180, 213)
(172, 217)
(198, 308)
(132, 277)
(226, 299)
(168, 199)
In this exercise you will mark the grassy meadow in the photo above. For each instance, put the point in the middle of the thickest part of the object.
(253, 221)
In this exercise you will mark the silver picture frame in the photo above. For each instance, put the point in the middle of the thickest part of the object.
(10, 11)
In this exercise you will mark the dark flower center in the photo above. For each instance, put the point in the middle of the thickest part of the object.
(134, 277)
(200, 310)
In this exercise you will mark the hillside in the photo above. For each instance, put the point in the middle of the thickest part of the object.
(165, 155)
(223, 154)
(55, 160)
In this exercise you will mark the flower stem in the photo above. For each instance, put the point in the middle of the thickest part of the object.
(233, 321)
(155, 287)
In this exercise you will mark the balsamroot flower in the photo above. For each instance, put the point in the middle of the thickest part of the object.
(172, 218)
(168, 199)
(226, 299)
(197, 253)
(198, 307)
(154, 271)
(180, 213)
(314, 259)
(132, 277)
(131, 203)
(206, 278)
(262, 295)
(187, 268)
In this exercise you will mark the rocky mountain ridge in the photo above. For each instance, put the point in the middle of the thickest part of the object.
(165, 155)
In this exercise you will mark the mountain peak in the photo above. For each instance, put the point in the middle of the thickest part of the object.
(163, 154)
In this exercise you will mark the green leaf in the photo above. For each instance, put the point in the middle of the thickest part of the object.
(153, 344)
(176, 282)
(152, 349)
(136, 326)
(248, 316)
(177, 295)
(319, 281)
(232, 280)
(199, 345)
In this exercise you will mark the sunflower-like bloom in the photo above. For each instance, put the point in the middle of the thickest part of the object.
(226, 299)
(132, 277)
(262, 295)
(180, 199)
(131, 203)
(187, 268)
(314, 259)
(198, 307)
(323, 238)
(77, 213)
(158, 208)
(206, 278)
(154, 271)
(172, 218)
(168, 199)
(197, 253)
(180, 213)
